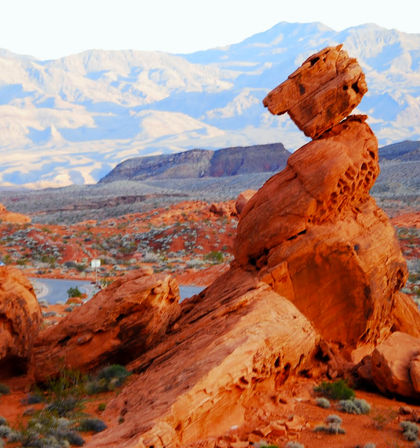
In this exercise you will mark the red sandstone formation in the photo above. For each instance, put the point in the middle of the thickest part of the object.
(20, 318)
(243, 199)
(237, 337)
(317, 270)
(223, 208)
(13, 218)
(128, 317)
(320, 93)
(394, 365)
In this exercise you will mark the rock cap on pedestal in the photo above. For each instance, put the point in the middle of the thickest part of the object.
(321, 92)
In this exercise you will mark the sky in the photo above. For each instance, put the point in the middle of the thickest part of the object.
(49, 29)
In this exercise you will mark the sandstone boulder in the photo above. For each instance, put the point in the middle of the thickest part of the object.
(320, 93)
(391, 365)
(235, 341)
(243, 199)
(223, 208)
(117, 325)
(414, 370)
(20, 319)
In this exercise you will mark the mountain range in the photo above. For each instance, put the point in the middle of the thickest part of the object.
(71, 120)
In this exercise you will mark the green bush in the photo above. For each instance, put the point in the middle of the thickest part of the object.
(338, 390)
(74, 292)
(4, 389)
(214, 257)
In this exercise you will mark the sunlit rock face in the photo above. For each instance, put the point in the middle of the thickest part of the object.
(20, 320)
(317, 268)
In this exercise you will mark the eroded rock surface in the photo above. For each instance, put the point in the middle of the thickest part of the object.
(317, 271)
(320, 93)
(236, 337)
(20, 319)
(317, 237)
(119, 323)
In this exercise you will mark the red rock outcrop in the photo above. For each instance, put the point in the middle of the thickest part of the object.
(20, 319)
(13, 218)
(125, 319)
(320, 93)
(237, 337)
(223, 208)
(314, 233)
(394, 365)
(317, 270)
(243, 199)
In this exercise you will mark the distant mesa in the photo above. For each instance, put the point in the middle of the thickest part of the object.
(198, 163)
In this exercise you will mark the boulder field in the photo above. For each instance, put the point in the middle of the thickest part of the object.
(314, 288)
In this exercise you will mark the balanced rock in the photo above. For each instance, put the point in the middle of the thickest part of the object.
(317, 265)
(20, 319)
(320, 93)
(115, 326)
(392, 361)
(13, 218)
(317, 237)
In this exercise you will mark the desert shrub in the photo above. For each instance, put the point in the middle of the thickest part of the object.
(5, 431)
(107, 379)
(74, 292)
(323, 402)
(410, 431)
(215, 257)
(369, 445)
(33, 398)
(3, 421)
(4, 389)
(92, 424)
(333, 425)
(101, 407)
(338, 390)
(64, 406)
(115, 371)
(354, 406)
(70, 383)
(294, 445)
(74, 438)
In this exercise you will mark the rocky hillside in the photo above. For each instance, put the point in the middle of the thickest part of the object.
(203, 163)
(403, 151)
(71, 120)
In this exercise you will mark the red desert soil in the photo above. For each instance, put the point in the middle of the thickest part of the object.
(294, 409)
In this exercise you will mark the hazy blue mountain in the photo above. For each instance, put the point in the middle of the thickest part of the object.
(71, 120)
